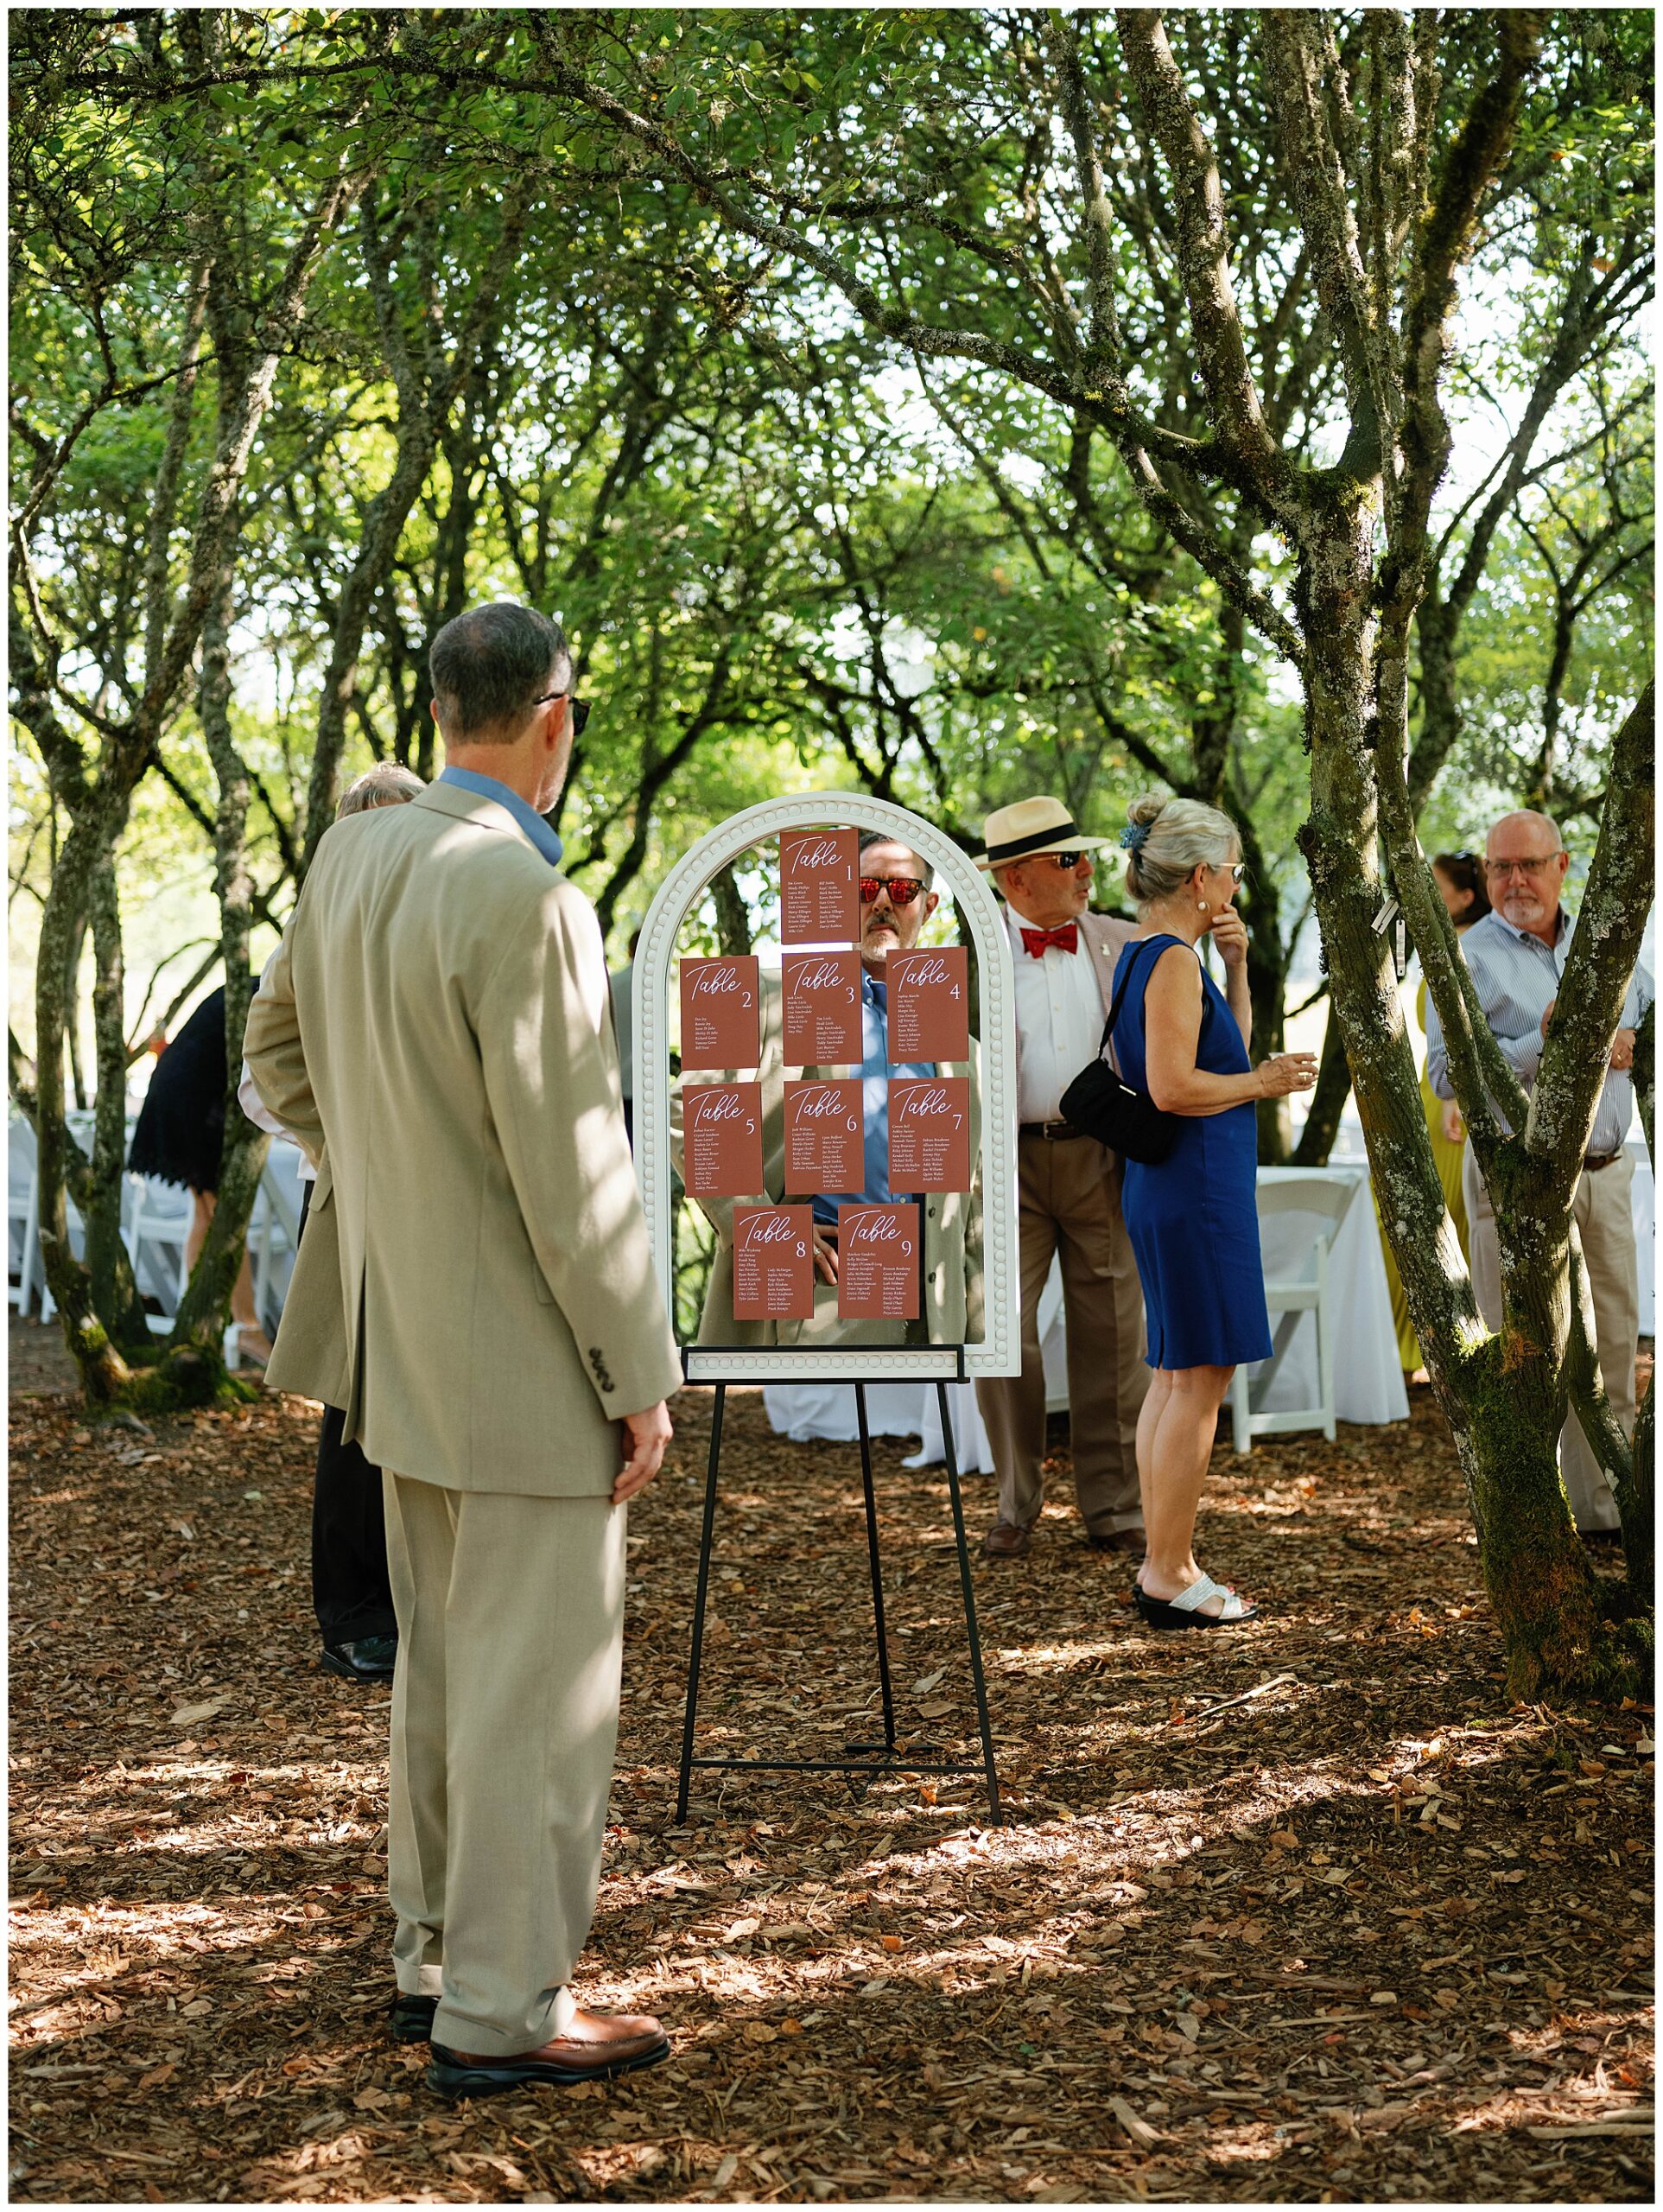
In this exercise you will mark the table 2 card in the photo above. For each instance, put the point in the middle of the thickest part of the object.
(929, 1133)
(722, 1003)
(722, 1126)
(928, 1004)
(824, 1136)
(878, 1271)
(822, 1008)
(773, 1263)
(819, 886)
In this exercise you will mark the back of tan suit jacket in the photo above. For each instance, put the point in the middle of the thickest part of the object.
(438, 1012)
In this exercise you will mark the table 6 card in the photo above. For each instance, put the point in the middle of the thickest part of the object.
(928, 1004)
(822, 1008)
(824, 1136)
(721, 1012)
(878, 1277)
(929, 1133)
(773, 1263)
(819, 886)
(721, 1128)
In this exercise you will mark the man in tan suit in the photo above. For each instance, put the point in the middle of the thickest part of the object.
(1067, 1194)
(504, 1353)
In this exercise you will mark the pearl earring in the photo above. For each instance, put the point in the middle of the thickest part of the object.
(1200, 906)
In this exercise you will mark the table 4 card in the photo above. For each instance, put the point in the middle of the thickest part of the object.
(822, 1008)
(721, 1013)
(879, 1277)
(773, 1263)
(824, 1136)
(721, 1129)
(929, 1133)
(928, 1004)
(819, 886)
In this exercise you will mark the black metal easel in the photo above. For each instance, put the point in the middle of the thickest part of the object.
(864, 1758)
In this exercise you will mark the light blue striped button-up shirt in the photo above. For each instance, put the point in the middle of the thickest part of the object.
(1517, 978)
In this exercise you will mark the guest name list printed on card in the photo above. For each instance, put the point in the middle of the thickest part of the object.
(819, 886)
(928, 1004)
(824, 1136)
(773, 1263)
(929, 1133)
(721, 1125)
(822, 1008)
(878, 1276)
(721, 1011)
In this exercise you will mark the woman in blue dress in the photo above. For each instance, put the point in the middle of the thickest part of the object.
(1192, 1220)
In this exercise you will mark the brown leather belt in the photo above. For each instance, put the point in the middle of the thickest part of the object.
(1052, 1132)
(1593, 1161)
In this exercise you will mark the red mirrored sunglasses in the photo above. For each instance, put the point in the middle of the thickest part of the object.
(902, 889)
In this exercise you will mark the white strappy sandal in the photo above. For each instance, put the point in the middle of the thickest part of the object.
(1184, 1609)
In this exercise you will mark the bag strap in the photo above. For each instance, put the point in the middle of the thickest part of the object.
(1126, 966)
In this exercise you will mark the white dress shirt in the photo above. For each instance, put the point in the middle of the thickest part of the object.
(1059, 1021)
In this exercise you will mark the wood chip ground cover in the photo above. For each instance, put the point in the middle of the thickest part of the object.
(1306, 1914)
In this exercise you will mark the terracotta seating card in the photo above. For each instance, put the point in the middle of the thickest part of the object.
(721, 1125)
(773, 1263)
(929, 1133)
(824, 1136)
(822, 1008)
(721, 1012)
(878, 1277)
(928, 1004)
(819, 886)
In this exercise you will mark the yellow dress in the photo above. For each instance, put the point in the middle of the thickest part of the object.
(1449, 1158)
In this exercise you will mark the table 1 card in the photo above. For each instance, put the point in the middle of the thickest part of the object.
(824, 1136)
(819, 886)
(929, 1133)
(928, 1004)
(722, 1126)
(773, 1263)
(822, 1008)
(721, 1002)
(877, 1273)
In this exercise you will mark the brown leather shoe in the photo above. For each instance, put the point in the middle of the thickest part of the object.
(1006, 1540)
(1118, 1540)
(596, 2046)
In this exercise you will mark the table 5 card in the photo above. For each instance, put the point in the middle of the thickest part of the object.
(721, 1128)
(773, 1263)
(929, 1133)
(822, 1008)
(928, 1004)
(721, 1013)
(819, 886)
(879, 1277)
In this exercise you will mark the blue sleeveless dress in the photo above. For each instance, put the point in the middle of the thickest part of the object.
(1193, 1220)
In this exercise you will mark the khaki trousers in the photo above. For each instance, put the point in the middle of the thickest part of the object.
(1602, 1208)
(504, 1720)
(1069, 1202)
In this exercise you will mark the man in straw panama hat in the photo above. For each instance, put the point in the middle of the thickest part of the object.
(1068, 1194)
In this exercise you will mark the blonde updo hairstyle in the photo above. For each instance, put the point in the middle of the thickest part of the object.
(1169, 838)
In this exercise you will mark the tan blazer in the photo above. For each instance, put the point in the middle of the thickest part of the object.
(438, 1010)
(953, 1302)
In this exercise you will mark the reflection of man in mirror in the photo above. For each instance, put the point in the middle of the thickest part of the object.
(896, 899)
(1067, 1194)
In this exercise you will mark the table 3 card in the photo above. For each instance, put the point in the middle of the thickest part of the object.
(822, 1008)
(929, 1133)
(721, 1009)
(773, 1263)
(819, 886)
(928, 1004)
(721, 1128)
(824, 1136)
(878, 1271)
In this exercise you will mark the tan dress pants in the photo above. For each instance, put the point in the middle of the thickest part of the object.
(1069, 1202)
(504, 1720)
(1603, 1209)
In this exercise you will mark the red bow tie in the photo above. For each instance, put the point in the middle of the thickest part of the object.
(1067, 939)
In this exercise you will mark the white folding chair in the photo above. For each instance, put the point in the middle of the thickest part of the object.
(158, 1224)
(23, 1212)
(1326, 1200)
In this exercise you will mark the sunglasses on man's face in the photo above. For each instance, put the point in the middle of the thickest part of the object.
(580, 708)
(1064, 861)
(902, 889)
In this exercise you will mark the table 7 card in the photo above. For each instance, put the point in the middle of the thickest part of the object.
(819, 886)
(929, 1133)
(878, 1271)
(822, 1008)
(928, 1004)
(721, 1008)
(773, 1263)
(721, 1129)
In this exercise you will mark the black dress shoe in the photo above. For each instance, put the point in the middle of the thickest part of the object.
(368, 1659)
(410, 2019)
(1131, 1541)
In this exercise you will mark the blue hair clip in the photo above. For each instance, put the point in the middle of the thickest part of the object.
(1134, 836)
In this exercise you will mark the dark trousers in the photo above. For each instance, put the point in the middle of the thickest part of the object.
(350, 1593)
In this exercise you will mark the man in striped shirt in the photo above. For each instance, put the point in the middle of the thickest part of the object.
(1517, 955)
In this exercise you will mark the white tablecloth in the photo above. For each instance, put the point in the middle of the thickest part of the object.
(1645, 1207)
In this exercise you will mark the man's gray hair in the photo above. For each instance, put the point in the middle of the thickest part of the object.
(385, 785)
(871, 838)
(490, 664)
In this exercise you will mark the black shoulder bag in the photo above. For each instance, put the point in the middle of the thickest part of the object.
(1108, 1109)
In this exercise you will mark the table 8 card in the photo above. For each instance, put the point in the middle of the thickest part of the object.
(819, 886)
(822, 992)
(721, 1128)
(879, 1277)
(721, 1012)
(929, 1005)
(773, 1263)
(824, 1136)
(929, 1133)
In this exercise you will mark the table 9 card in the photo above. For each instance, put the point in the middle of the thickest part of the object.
(819, 886)
(773, 1263)
(721, 1005)
(722, 1126)
(929, 1005)
(822, 1008)
(878, 1277)
(929, 1133)
(824, 1136)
